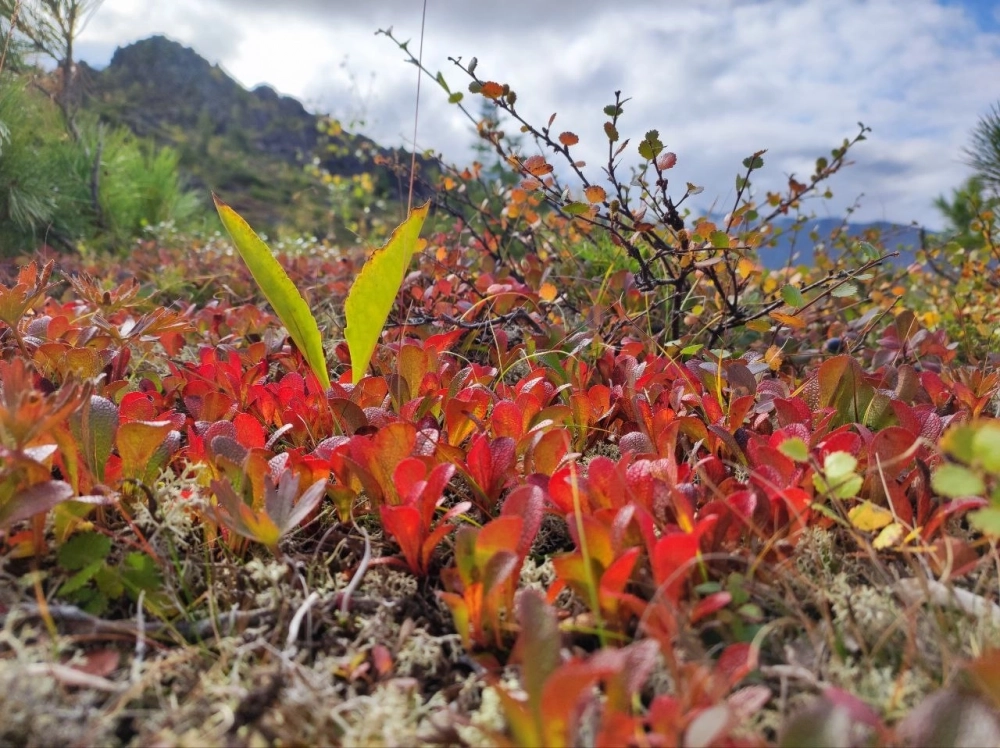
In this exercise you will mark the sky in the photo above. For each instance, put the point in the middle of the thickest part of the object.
(719, 79)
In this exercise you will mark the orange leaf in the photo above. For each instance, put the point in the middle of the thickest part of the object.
(547, 292)
(703, 230)
(788, 319)
(536, 166)
(492, 90)
(595, 194)
(568, 138)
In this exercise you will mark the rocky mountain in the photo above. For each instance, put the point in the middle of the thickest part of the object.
(251, 147)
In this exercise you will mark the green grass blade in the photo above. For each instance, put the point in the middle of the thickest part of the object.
(278, 289)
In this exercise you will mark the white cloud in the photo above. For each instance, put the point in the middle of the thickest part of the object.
(718, 81)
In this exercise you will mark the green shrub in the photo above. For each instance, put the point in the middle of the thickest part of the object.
(48, 179)
(39, 197)
(138, 185)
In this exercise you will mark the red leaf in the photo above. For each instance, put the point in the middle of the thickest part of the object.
(618, 574)
(709, 605)
(792, 410)
(527, 503)
(403, 524)
(465, 413)
(666, 161)
(672, 562)
(892, 451)
(606, 482)
(507, 420)
(249, 432)
(548, 452)
(36, 499)
(736, 662)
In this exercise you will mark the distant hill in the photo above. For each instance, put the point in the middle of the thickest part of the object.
(251, 147)
(904, 239)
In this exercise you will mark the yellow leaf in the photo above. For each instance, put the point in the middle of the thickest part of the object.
(868, 517)
(278, 289)
(374, 290)
(746, 267)
(889, 537)
(773, 357)
(595, 194)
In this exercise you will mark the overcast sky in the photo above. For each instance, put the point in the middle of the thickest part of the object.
(719, 79)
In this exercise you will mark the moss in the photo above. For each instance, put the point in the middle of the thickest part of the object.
(38, 711)
(391, 716)
(485, 722)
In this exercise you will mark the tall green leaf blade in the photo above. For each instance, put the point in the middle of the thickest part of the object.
(374, 291)
(278, 289)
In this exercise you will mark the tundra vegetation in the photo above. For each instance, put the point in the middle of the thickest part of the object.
(561, 462)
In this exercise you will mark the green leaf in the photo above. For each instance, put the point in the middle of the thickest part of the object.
(94, 427)
(795, 449)
(109, 582)
(868, 252)
(838, 477)
(456, 97)
(986, 445)
(986, 521)
(137, 442)
(82, 550)
(374, 291)
(81, 578)
(576, 208)
(793, 296)
(839, 464)
(753, 162)
(278, 289)
(844, 290)
(842, 385)
(719, 239)
(958, 442)
(956, 480)
(651, 145)
(139, 572)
